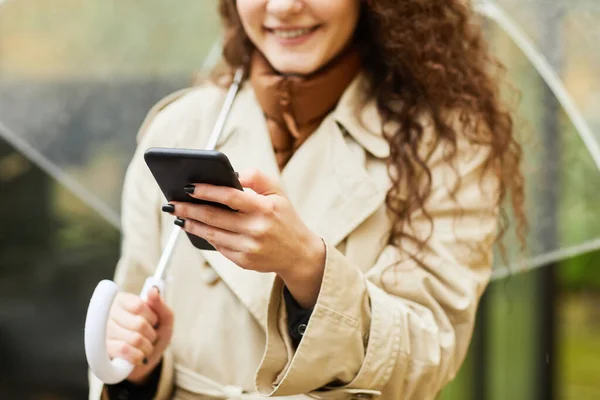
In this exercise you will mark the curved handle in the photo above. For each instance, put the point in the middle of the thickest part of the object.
(107, 370)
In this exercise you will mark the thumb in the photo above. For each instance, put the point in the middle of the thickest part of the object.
(259, 182)
(157, 304)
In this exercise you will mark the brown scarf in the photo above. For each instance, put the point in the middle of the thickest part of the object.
(294, 106)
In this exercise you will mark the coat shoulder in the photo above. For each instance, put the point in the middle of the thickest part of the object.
(184, 105)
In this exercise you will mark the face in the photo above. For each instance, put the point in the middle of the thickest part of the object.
(299, 36)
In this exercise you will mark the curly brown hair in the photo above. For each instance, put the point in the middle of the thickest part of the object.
(431, 57)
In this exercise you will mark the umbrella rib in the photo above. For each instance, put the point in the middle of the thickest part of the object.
(546, 259)
(57, 173)
(492, 11)
(213, 56)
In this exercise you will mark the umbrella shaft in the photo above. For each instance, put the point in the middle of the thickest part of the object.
(167, 253)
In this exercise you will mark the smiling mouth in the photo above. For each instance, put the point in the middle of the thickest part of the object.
(292, 33)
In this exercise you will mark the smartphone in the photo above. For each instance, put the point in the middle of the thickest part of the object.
(173, 169)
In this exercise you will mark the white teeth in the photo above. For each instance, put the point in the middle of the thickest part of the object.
(290, 34)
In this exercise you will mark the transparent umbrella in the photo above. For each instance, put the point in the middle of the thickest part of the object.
(76, 79)
(548, 47)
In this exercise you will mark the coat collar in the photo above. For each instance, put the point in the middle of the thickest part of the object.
(325, 180)
(358, 116)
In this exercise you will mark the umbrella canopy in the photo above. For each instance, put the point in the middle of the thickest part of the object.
(548, 49)
(76, 79)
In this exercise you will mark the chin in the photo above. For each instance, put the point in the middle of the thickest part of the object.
(296, 64)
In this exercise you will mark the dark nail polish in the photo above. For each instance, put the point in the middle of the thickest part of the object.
(168, 208)
(156, 325)
(189, 189)
(179, 222)
(145, 361)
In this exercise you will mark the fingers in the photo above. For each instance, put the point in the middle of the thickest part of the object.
(209, 215)
(133, 322)
(164, 313)
(233, 198)
(238, 257)
(131, 336)
(215, 236)
(134, 339)
(122, 349)
(259, 182)
(137, 306)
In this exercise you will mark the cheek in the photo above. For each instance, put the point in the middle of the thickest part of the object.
(251, 14)
(342, 17)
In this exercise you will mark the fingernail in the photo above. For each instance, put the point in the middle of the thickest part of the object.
(179, 222)
(145, 361)
(189, 189)
(168, 208)
(156, 326)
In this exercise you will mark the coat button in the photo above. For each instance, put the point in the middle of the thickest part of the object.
(209, 275)
(301, 329)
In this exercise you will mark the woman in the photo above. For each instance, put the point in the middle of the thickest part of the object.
(378, 153)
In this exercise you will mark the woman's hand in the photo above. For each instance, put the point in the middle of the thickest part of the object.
(139, 332)
(265, 234)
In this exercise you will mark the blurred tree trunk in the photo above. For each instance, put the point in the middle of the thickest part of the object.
(550, 27)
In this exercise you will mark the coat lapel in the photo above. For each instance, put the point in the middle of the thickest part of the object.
(328, 186)
(246, 143)
(324, 180)
(245, 139)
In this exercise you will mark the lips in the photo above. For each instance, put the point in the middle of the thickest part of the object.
(291, 33)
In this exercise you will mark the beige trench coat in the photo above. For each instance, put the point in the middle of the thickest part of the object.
(376, 331)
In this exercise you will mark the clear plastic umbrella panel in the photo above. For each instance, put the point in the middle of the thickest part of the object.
(77, 78)
(547, 47)
(75, 86)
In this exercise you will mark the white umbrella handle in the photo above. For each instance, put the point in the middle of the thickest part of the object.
(107, 370)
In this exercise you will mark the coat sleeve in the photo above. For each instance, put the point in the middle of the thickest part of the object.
(401, 329)
(140, 223)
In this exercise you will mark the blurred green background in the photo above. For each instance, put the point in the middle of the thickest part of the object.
(76, 79)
